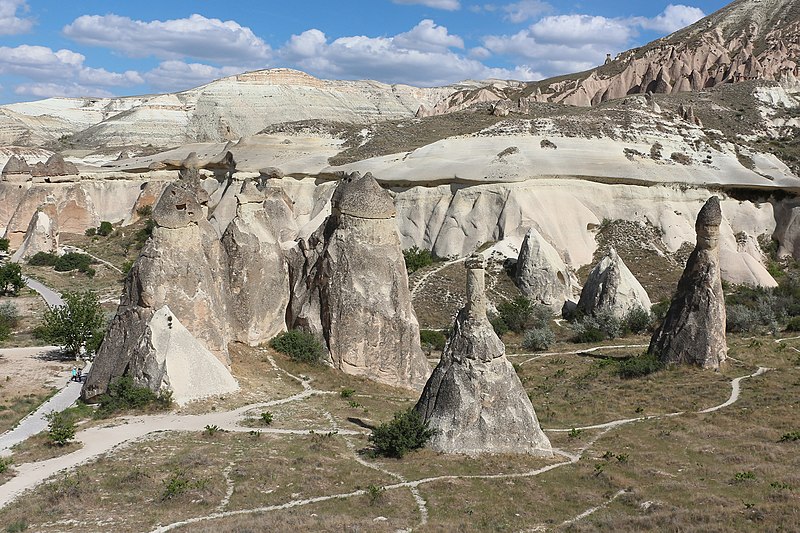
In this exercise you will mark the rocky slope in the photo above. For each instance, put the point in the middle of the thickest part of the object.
(222, 110)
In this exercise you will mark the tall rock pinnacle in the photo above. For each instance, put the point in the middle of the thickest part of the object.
(474, 399)
(694, 330)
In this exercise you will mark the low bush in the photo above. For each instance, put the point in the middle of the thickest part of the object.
(597, 328)
(299, 345)
(73, 261)
(9, 318)
(637, 320)
(417, 258)
(406, 432)
(521, 314)
(432, 339)
(60, 428)
(43, 259)
(4, 465)
(145, 211)
(90, 232)
(123, 394)
(637, 367)
(538, 339)
(793, 324)
(4, 243)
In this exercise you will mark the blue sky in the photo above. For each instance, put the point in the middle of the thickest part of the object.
(102, 48)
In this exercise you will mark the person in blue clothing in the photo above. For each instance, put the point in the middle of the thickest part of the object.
(74, 374)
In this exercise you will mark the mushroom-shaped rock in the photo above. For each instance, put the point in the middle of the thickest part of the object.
(350, 287)
(612, 288)
(474, 399)
(693, 331)
(180, 205)
(362, 197)
(541, 274)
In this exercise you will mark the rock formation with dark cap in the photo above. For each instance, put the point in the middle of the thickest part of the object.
(474, 400)
(349, 286)
(693, 331)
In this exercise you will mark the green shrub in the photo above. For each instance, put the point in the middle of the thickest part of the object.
(538, 339)
(637, 367)
(522, 313)
(744, 476)
(417, 258)
(347, 393)
(659, 311)
(792, 436)
(406, 432)
(145, 211)
(11, 279)
(43, 259)
(143, 234)
(432, 339)
(499, 325)
(299, 345)
(60, 428)
(9, 318)
(637, 320)
(105, 229)
(4, 464)
(4, 245)
(793, 324)
(73, 261)
(266, 418)
(597, 328)
(90, 232)
(127, 266)
(17, 527)
(76, 325)
(123, 394)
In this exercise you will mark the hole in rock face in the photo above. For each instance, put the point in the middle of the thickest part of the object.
(560, 277)
(180, 207)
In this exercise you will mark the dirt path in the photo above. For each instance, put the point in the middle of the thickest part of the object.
(421, 283)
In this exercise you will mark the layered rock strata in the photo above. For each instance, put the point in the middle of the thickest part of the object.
(693, 331)
(349, 286)
(474, 399)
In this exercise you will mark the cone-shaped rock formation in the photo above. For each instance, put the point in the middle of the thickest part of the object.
(612, 288)
(474, 399)
(349, 285)
(541, 273)
(693, 331)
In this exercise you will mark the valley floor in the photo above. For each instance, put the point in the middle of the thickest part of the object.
(677, 450)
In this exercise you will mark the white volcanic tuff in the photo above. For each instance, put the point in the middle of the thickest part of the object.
(42, 234)
(225, 109)
(452, 220)
(612, 288)
(542, 274)
(475, 159)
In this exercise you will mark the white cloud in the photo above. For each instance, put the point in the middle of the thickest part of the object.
(176, 75)
(523, 10)
(398, 59)
(428, 37)
(40, 65)
(197, 37)
(448, 5)
(47, 90)
(572, 43)
(673, 18)
(10, 23)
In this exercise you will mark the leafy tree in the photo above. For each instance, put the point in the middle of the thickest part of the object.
(60, 428)
(9, 317)
(417, 258)
(105, 228)
(11, 279)
(76, 324)
(4, 245)
(406, 432)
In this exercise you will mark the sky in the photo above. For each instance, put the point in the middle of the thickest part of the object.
(104, 48)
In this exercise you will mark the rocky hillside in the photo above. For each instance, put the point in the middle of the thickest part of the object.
(746, 40)
(225, 109)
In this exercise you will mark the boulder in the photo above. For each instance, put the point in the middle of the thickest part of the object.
(42, 234)
(350, 287)
(542, 275)
(474, 399)
(157, 352)
(612, 288)
(693, 331)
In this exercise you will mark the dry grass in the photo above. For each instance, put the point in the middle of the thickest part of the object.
(30, 308)
(680, 472)
(40, 448)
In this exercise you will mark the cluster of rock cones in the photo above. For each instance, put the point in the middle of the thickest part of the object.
(195, 288)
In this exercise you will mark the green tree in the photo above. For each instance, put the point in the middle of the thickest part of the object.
(105, 228)
(11, 279)
(60, 428)
(76, 324)
(4, 245)
(406, 432)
